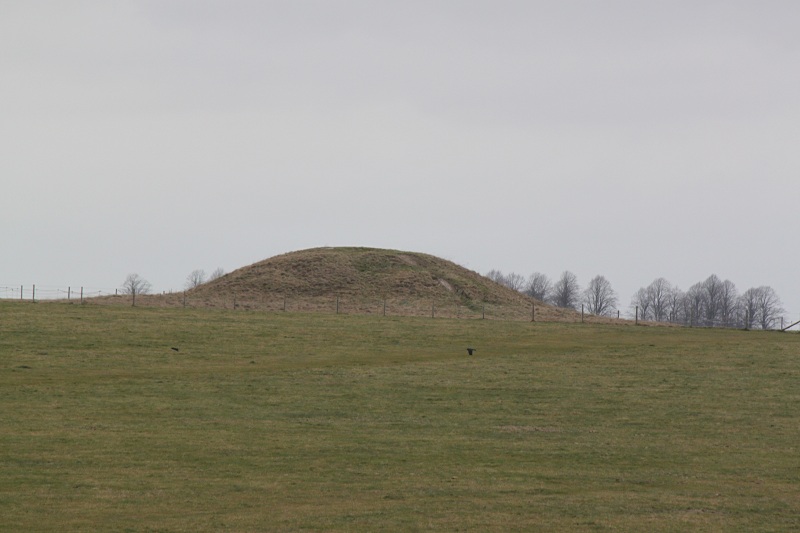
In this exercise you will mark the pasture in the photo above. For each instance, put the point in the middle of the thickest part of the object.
(313, 422)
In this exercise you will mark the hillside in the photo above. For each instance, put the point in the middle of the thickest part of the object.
(361, 281)
(358, 275)
(361, 272)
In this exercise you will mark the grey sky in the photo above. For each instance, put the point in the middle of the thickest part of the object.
(625, 138)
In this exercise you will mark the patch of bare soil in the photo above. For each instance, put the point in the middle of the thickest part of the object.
(408, 260)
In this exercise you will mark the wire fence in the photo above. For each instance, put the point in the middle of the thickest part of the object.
(269, 302)
(39, 292)
(342, 305)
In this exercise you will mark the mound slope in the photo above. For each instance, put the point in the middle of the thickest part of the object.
(362, 273)
(364, 280)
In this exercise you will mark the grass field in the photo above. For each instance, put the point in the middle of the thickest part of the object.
(303, 422)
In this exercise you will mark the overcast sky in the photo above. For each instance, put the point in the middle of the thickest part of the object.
(625, 138)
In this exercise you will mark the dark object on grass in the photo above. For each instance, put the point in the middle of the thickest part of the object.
(470, 350)
(175, 349)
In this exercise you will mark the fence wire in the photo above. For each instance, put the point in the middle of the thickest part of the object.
(270, 302)
(45, 292)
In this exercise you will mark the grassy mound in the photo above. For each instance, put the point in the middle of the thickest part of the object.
(362, 272)
(364, 281)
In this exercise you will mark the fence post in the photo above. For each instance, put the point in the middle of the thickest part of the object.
(637, 315)
(483, 312)
(20, 293)
(184, 299)
(68, 292)
(337, 305)
(284, 304)
(433, 310)
(581, 313)
(533, 312)
(384, 307)
(33, 293)
(81, 295)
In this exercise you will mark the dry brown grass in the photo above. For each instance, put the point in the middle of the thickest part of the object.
(364, 281)
(364, 273)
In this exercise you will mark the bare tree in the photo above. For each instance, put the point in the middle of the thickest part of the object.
(769, 307)
(218, 273)
(599, 297)
(675, 299)
(686, 312)
(748, 302)
(539, 286)
(496, 275)
(711, 289)
(640, 303)
(695, 301)
(514, 281)
(566, 291)
(728, 302)
(195, 279)
(658, 298)
(135, 284)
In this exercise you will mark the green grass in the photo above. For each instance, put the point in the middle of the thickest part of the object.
(292, 422)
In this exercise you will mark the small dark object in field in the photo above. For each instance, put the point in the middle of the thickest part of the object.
(175, 349)
(470, 350)
(23, 366)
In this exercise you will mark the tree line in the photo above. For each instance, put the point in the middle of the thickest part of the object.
(135, 284)
(710, 303)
